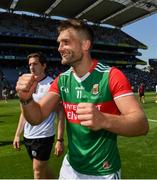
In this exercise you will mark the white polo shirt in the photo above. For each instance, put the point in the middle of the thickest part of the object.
(46, 128)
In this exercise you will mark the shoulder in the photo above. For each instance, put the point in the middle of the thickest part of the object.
(66, 73)
(101, 67)
(49, 79)
(119, 83)
(46, 80)
(116, 73)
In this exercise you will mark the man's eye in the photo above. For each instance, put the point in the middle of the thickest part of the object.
(66, 42)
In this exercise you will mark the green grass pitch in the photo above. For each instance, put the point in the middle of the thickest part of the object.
(138, 154)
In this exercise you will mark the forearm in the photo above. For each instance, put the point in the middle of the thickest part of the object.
(61, 122)
(134, 124)
(20, 126)
(132, 120)
(59, 147)
(60, 133)
(36, 112)
(32, 112)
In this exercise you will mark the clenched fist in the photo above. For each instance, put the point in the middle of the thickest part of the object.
(89, 116)
(26, 85)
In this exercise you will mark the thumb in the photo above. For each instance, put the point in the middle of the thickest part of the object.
(37, 78)
(33, 87)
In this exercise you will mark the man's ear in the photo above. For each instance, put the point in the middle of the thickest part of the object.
(86, 44)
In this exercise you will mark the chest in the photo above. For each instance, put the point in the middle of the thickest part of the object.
(93, 89)
(41, 90)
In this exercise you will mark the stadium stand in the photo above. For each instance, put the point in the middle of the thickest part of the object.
(136, 76)
(23, 34)
(153, 65)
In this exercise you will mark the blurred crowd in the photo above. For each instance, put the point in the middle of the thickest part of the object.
(9, 76)
(45, 28)
(39, 27)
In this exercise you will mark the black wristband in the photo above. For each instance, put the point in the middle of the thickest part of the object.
(60, 140)
(25, 102)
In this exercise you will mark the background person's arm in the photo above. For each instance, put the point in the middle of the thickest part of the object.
(19, 130)
(59, 147)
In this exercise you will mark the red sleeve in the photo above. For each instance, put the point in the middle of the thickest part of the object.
(54, 86)
(119, 84)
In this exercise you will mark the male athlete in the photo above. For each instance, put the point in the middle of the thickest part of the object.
(98, 102)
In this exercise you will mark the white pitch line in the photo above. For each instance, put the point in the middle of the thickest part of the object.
(152, 120)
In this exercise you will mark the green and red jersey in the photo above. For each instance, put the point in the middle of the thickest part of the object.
(92, 152)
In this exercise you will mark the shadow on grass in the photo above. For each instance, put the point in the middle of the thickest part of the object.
(5, 115)
(5, 143)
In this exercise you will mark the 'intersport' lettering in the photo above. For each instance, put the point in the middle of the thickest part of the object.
(70, 110)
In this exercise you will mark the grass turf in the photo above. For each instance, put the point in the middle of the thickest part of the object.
(138, 154)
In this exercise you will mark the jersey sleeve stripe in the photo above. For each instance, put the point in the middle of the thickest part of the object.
(122, 95)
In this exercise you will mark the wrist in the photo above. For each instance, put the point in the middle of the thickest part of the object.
(25, 102)
(60, 139)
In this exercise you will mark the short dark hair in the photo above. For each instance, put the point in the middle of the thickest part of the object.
(39, 55)
(79, 25)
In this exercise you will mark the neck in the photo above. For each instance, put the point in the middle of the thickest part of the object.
(82, 67)
(42, 76)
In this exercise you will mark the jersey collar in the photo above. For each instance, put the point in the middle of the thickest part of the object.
(94, 63)
(43, 78)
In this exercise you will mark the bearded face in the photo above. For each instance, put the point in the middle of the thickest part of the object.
(70, 47)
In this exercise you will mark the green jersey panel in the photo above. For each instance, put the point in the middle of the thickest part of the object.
(89, 152)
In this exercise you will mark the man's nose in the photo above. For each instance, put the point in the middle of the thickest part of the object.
(60, 47)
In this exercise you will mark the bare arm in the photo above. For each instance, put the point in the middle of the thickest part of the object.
(131, 122)
(34, 112)
(61, 122)
(19, 130)
(59, 147)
